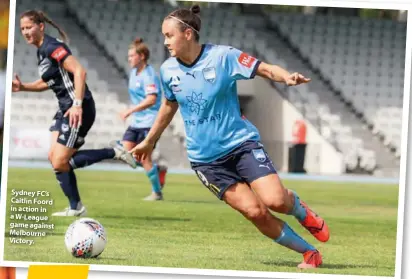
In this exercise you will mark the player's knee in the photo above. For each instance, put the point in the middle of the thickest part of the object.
(60, 165)
(50, 156)
(278, 202)
(147, 163)
(255, 213)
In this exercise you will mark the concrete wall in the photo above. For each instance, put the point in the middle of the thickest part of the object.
(274, 117)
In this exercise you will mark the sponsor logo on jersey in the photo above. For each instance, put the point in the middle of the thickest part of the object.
(191, 74)
(50, 82)
(174, 84)
(59, 53)
(246, 60)
(196, 103)
(151, 88)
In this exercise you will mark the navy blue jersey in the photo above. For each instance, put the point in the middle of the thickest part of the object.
(51, 55)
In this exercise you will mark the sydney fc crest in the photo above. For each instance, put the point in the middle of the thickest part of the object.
(259, 155)
(209, 74)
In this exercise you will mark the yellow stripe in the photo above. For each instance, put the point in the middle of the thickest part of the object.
(217, 190)
(4, 28)
(58, 271)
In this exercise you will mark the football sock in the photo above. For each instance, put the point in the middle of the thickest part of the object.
(292, 240)
(298, 210)
(68, 184)
(86, 158)
(153, 175)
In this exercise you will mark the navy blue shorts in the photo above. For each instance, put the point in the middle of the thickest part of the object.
(136, 135)
(245, 164)
(71, 137)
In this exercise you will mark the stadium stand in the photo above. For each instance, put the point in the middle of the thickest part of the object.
(356, 66)
(362, 60)
(109, 87)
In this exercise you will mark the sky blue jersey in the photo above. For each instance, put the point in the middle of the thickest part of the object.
(140, 85)
(206, 92)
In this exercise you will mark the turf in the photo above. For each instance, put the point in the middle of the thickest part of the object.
(192, 229)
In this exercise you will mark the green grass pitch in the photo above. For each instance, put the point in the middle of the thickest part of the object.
(192, 229)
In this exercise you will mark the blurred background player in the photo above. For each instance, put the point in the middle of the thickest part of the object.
(60, 71)
(145, 95)
(224, 149)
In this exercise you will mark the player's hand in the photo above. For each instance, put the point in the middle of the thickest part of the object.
(142, 151)
(16, 84)
(125, 114)
(75, 114)
(296, 79)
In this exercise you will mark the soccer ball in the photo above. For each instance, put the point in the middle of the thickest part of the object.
(85, 238)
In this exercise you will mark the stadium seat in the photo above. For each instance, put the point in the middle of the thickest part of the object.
(349, 52)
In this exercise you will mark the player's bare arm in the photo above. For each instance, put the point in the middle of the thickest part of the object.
(72, 65)
(167, 111)
(278, 74)
(36, 86)
(149, 101)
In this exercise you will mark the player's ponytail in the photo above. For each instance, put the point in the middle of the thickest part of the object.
(141, 48)
(40, 17)
(188, 18)
(45, 18)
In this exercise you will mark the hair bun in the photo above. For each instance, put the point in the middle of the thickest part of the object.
(138, 40)
(195, 9)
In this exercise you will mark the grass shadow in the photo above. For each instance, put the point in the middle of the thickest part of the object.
(149, 218)
(196, 202)
(102, 258)
(323, 266)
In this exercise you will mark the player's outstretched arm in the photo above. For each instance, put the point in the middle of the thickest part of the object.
(149, 101)
(36, 86)
(165, 115)
(278, 74)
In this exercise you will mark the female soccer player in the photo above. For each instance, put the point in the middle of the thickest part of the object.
(224, 149)
(145, 95)
(61, 72)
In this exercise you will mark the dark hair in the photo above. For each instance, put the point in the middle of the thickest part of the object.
(141, 48)
(190, 17)
(40, 17)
